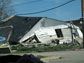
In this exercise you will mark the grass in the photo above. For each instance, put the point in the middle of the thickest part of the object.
(26, 49)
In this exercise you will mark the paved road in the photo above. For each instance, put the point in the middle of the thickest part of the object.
(67, 56)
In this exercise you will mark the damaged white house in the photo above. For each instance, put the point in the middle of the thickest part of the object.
(42, 30)
(49, 30)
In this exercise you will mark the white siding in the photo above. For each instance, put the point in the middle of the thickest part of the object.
(66, 35)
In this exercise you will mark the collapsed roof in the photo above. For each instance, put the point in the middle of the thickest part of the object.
(21, 25)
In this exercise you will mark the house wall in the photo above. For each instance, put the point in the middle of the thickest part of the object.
(47, 35)
(66, 35)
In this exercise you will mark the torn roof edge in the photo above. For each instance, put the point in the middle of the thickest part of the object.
(6, 19)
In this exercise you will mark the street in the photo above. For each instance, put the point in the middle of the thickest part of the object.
(67, 56)
(76, 56)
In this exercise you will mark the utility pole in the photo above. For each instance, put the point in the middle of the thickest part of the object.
(82, 7)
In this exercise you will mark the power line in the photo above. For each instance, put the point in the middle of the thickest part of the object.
(47, 9)
(25, 3)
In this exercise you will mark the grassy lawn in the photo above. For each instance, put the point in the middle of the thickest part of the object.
(26, 49)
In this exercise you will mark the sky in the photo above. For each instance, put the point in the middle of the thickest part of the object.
(70, 11)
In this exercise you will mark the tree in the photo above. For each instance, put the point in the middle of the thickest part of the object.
(5, 9)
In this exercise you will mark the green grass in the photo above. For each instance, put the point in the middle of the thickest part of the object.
(26, 49)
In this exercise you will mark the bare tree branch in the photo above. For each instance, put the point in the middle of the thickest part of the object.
(5, 9)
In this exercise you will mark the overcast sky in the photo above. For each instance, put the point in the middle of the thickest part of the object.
(71, 11)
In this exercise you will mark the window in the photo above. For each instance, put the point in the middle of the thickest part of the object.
(59, 32)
